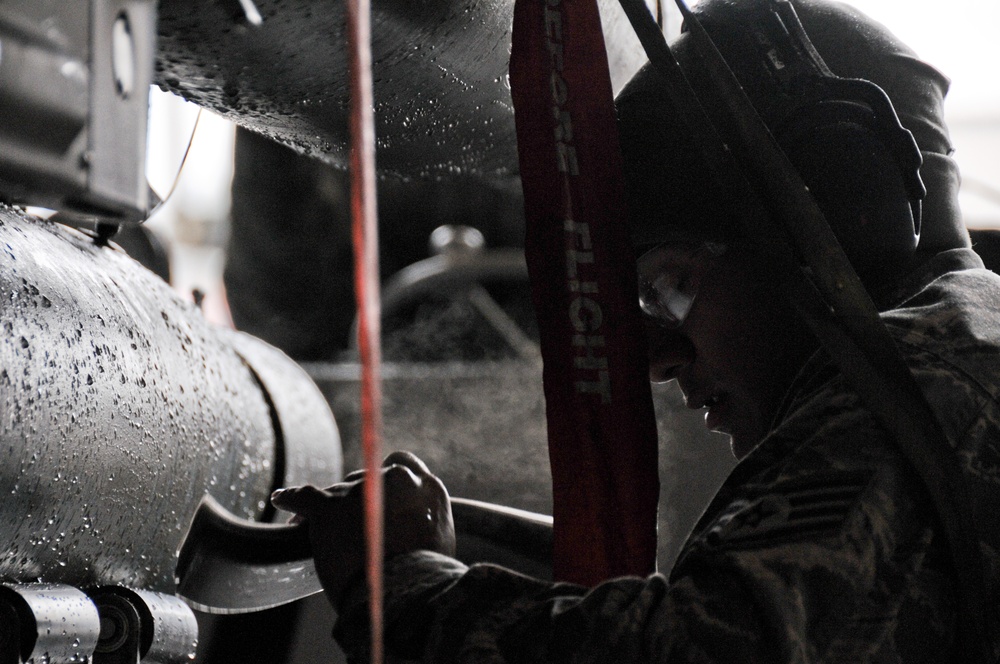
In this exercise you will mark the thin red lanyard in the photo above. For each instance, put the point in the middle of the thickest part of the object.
(601, 427)
(366, 287)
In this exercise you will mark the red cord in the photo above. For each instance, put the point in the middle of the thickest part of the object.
(366, 285)
(599, 411)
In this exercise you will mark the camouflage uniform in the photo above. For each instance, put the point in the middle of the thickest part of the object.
(819, 547)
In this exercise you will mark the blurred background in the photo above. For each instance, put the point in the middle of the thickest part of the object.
(958, 38)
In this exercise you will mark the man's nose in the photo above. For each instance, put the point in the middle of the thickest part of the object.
(669, 351)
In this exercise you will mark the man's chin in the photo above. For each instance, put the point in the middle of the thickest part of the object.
(742, 444)
(742, 428)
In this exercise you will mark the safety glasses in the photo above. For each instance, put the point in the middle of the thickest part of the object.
(669, 275)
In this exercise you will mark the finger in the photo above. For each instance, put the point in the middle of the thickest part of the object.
(409, 460)
(354, 475)
(398, 476)
(442, 490)
(300, 499)
(341, 489)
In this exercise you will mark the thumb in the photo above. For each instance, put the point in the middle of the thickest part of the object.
(407, 460)
(304, 500)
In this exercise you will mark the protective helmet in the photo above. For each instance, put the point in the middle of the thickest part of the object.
(861, 176)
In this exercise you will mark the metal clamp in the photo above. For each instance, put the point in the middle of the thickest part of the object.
(46, 622)
(143, 626)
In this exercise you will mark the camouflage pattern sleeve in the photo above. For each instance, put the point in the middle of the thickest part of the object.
(436, 612)
(749, 589)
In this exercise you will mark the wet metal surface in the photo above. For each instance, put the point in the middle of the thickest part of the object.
(442, 100)
(309, 438)
(120, 407)
(50, 623)
(226, 567)
(155, 627)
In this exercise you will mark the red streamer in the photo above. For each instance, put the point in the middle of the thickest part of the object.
(601, 427)
(366, 287)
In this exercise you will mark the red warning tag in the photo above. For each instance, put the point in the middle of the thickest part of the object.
(601, 427)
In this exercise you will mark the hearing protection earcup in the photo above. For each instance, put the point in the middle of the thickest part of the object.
(857, 182)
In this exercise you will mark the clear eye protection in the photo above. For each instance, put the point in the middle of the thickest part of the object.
(668, 281)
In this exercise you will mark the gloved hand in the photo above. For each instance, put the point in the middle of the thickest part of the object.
(417, 516)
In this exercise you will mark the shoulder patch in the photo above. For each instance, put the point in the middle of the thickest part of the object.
(786, 511)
